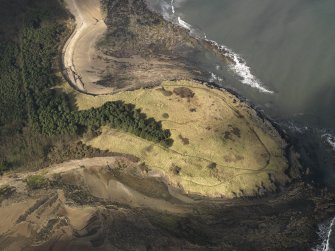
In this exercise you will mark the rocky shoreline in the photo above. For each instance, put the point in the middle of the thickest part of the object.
(305, 219)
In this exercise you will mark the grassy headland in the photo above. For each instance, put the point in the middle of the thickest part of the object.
(221, 147)
(203, 140)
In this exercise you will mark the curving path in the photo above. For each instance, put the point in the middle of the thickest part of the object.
(83, 66)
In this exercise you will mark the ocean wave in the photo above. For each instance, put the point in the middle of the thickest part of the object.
(239, 65)
(215, 78)
(183, 24)
(293, 127)
(165, 9)
(330, 139)
(325, 232)
(172, 7)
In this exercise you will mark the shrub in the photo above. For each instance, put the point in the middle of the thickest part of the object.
(212, 165)
(6, 191)
(175, 169)
(4, 166)
(37, 182)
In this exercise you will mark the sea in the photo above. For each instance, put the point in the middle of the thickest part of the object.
(284, 54)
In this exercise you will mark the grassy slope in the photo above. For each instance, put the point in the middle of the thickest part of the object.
(220, 144)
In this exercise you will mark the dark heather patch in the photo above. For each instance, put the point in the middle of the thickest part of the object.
(185, 141)
(183, 92)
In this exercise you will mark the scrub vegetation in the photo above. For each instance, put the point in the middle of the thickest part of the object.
(37, 182)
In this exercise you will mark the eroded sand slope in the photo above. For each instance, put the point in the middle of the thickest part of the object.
(83, 200)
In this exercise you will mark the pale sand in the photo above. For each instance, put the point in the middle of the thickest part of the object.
(47, 219)
(82, 65)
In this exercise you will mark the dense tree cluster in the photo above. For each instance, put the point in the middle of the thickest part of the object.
(12, 95)
(125, 117)
(4, 166)
(56, 118)
(32, 113)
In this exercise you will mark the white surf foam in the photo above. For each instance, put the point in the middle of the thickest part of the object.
(183, 24)
(165, 10)
(292, 126)
(330, 139)
(172, 7)
(325, 232)
(215, 78)
(241, 68)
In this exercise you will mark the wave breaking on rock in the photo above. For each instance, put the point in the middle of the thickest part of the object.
(238, 66)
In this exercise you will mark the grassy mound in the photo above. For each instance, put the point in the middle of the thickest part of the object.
(221, 147)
